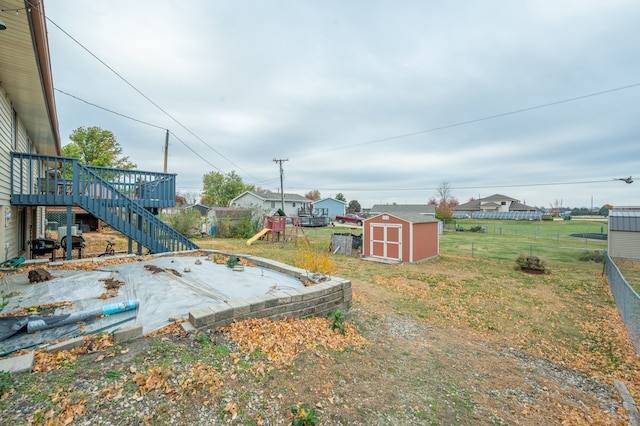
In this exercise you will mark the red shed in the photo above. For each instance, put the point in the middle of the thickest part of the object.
(403, 237)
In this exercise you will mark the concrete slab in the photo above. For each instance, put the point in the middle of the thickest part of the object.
(18, 364)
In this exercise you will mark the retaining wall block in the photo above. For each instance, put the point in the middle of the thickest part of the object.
(128, 333)
(239, 307)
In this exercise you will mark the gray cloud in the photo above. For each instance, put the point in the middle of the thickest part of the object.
(318, 83)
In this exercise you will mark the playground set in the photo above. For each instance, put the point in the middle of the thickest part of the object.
(275, 227)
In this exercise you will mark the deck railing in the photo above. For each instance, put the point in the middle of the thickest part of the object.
(121, 198)
(48, 180)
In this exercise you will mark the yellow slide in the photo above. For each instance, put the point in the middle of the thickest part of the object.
(258, 235)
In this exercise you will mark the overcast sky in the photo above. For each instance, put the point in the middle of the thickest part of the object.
(381, 101)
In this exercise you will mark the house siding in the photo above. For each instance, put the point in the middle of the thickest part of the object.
(8, 246)
(624, 233)
(624, 244)
(334, 207)
(270, 205)
(19, 224)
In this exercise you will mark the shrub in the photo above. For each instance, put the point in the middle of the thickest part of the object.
(314, 260)
(531, 263)
(185, 222)
(591, 256)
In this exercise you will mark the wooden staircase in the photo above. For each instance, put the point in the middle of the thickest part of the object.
(124, 199)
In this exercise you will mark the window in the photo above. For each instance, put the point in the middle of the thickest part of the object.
(273, 204)
(293, 204)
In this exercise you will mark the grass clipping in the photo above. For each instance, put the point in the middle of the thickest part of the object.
(281, 341)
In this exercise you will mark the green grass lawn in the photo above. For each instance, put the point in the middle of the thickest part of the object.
(567, 316)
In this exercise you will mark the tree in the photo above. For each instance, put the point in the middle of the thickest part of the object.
(94, 146)
(446, 202)
(314, 194)
(444, 191)
(354, 205)
(180, 200)
(340, 197)
(220, 189)
(604, 210)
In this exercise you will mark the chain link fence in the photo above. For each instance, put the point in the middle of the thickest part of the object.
(626, 299)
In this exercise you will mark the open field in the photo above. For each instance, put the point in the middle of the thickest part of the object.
(456, 340)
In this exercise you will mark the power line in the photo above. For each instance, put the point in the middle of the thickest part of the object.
(143, 95)
(145, 123)
(463, 187)
(489, 117)
(108, 110)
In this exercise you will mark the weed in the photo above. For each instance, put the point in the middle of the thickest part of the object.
(161, 348)
(6, 382)
(4, 302)
(112, 375)
(303, 416)
(337, 321)
(204, 339)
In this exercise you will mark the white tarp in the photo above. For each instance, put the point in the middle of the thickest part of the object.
(161, 295)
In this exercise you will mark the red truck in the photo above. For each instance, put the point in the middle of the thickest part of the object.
(350, 218)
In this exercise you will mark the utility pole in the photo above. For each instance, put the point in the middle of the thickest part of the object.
(280, 161)
(166, 150)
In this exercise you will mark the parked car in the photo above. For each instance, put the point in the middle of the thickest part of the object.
(350, 218)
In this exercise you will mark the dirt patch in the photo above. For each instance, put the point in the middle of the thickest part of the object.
(411, 372)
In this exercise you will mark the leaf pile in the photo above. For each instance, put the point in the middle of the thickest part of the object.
(281, 341)
(45, 360)
(157, 269)
(175, 329)
(68, 405)
(222, 259)
(112, 286)
(199, 378)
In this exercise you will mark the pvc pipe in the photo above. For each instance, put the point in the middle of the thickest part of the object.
(37, 323)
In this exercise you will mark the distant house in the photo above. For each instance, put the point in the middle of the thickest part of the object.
(496, 206)
(495, 203)
(333, 206)
(202, 209)
(423, 209)
(269, 202)
(624, 233)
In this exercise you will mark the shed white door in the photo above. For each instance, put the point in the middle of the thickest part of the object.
(386, 241)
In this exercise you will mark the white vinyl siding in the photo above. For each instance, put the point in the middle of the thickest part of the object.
(625, 245)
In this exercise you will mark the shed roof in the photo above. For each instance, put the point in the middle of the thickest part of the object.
(408, 216)
(398, 208)
(624, 220)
